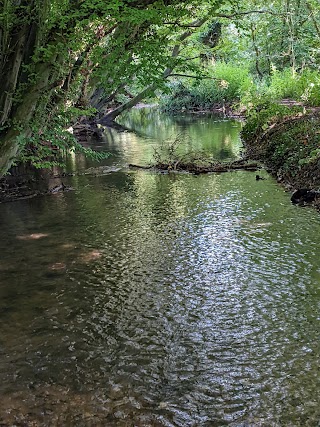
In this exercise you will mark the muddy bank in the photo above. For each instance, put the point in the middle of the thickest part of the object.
(23, 182)
(26, 182)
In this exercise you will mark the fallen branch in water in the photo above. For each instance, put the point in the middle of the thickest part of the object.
(139, 167)
(218, 167)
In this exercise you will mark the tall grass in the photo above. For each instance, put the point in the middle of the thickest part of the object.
(304, 86)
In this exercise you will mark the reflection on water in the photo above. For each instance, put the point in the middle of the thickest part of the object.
(147, 129)
(143, 299)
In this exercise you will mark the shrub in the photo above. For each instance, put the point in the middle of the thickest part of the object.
(263, 115)
(225, 83)
(302, 86)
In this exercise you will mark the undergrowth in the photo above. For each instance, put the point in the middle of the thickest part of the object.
(287, 141)
(231, 84)
(223, 84)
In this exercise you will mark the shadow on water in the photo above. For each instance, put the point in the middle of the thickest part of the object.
(160, 300)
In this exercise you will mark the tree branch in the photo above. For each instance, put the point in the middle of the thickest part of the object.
(223, 15)
(315, 23)
(192, 77)
(248, 12)
(176, 23)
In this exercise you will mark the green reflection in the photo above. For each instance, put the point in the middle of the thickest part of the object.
(147, 129)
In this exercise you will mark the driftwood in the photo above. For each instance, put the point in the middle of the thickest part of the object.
(59, 189)
(140, 167)
(197, 170)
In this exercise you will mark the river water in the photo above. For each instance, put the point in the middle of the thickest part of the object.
(148, 299)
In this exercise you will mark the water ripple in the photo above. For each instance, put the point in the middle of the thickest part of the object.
(180, 304)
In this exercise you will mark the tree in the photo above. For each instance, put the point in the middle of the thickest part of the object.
(52, 49)
(57, 57)
(284, 34)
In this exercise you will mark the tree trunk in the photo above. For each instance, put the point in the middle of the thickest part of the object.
(13, 136)
(313, 18)
(36, 46)
(110, 117)
(256, 49)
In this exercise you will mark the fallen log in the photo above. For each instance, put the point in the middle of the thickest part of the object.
(140, 167)
(197, 170)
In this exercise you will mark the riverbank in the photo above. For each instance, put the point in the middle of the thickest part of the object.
(23, 182)
(225, 109)
(288, 143)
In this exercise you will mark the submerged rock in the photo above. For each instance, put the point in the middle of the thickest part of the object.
(304, 195)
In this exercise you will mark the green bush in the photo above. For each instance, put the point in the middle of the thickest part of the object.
(263, 115)
(233, 81)
(225, 83)
(264, 95)
(284, 139)
(302, 86)
(231, 84)
(295, 147)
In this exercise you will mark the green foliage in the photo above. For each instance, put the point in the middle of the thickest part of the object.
(296, 147)
(262, 115)
(68, 48)
(211, 34)
(303, 86)
(49, 144)
(260, 59)
(224, 83)
(232, 81)
(288, 37)
(265, 95)
(71, 47)
(285, 139)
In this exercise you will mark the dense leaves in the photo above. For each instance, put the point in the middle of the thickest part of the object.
(55, 53)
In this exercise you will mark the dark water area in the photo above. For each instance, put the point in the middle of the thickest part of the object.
(146, 299)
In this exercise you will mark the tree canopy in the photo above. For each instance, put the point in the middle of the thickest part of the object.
(60, 58)
(54, 52)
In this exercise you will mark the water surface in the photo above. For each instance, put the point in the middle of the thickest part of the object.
(145, 299)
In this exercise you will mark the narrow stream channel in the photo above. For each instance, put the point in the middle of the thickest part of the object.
(147, 299)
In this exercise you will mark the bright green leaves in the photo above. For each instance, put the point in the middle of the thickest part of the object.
(50, 142)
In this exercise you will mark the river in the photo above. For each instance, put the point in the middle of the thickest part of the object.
(149, 299)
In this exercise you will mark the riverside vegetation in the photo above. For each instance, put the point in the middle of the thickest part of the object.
(282, 119)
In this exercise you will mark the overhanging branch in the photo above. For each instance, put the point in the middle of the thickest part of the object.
(191, 76)
(248, 12)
